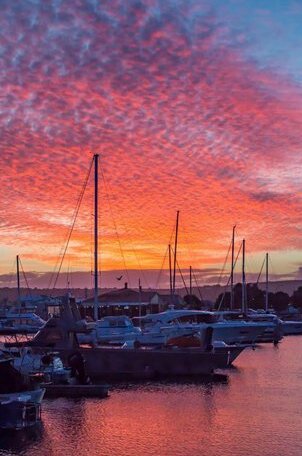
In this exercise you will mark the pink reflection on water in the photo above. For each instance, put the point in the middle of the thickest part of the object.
(257, 412)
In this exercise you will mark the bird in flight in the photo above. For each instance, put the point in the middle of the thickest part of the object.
(119, 278)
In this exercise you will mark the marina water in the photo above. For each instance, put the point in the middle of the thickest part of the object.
(257, 412)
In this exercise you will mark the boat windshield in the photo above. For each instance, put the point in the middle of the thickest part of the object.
(123, 322)
(231, 316)
(190, 318)
(196, 318)
(24, 320)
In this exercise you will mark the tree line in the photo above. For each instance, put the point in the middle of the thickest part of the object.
(255, 298)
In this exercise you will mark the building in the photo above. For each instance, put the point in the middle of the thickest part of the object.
(126, 301)
(42, 305)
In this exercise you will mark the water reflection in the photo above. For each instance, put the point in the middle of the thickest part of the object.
(256, 412)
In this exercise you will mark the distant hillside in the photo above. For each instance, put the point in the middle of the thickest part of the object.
(208, 292)
(11, 294)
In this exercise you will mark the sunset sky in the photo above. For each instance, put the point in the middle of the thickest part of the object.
(193, 105)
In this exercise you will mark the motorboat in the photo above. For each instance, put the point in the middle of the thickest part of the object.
(230, 332)
(57, 380)
(20, 319)
(270, 326)
(291, 327)
(20, 399)
(48, 364)
(135, 361)
(274, 330)
(160, 334)
(111, 329)
(121, 329)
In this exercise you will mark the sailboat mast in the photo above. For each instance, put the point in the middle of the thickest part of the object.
(96, 274)
(232, 269)
(140, 300)
(170, 271)
(175, 252)
(243, 278)
(190, 282)
(18, 280)
(266, 282)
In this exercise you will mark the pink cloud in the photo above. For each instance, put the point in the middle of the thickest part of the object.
(182, 121)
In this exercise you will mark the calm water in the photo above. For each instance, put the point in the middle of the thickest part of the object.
(259, 412)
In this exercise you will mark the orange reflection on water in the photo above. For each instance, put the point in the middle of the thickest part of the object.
(257, 412)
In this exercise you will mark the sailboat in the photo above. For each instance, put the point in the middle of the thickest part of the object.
(225, 330)
(60, 334)
(20, 319)
(284, 327)
(269, 323)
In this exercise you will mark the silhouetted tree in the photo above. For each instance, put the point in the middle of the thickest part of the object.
(279, 301)
(223, 302)
(224, 299)
(255, 296)
(193, 302)
(296, 298)
(238, 296)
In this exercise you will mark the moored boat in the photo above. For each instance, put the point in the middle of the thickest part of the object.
(60, 334)
(230, 332)
(113, 329)
(291, 327)
(20, 320)
(269, 325)
(20, 400)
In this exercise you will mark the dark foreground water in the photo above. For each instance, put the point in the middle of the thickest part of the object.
(258, 412)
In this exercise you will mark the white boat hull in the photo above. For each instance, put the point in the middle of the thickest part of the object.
(34, 396)
(292, 327)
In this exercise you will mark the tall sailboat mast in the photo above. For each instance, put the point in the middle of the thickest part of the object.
(266, 282)
(18, 280)
(170, 272)
(175, 253)
(96, 274)
(243, 278)
(232, 269)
